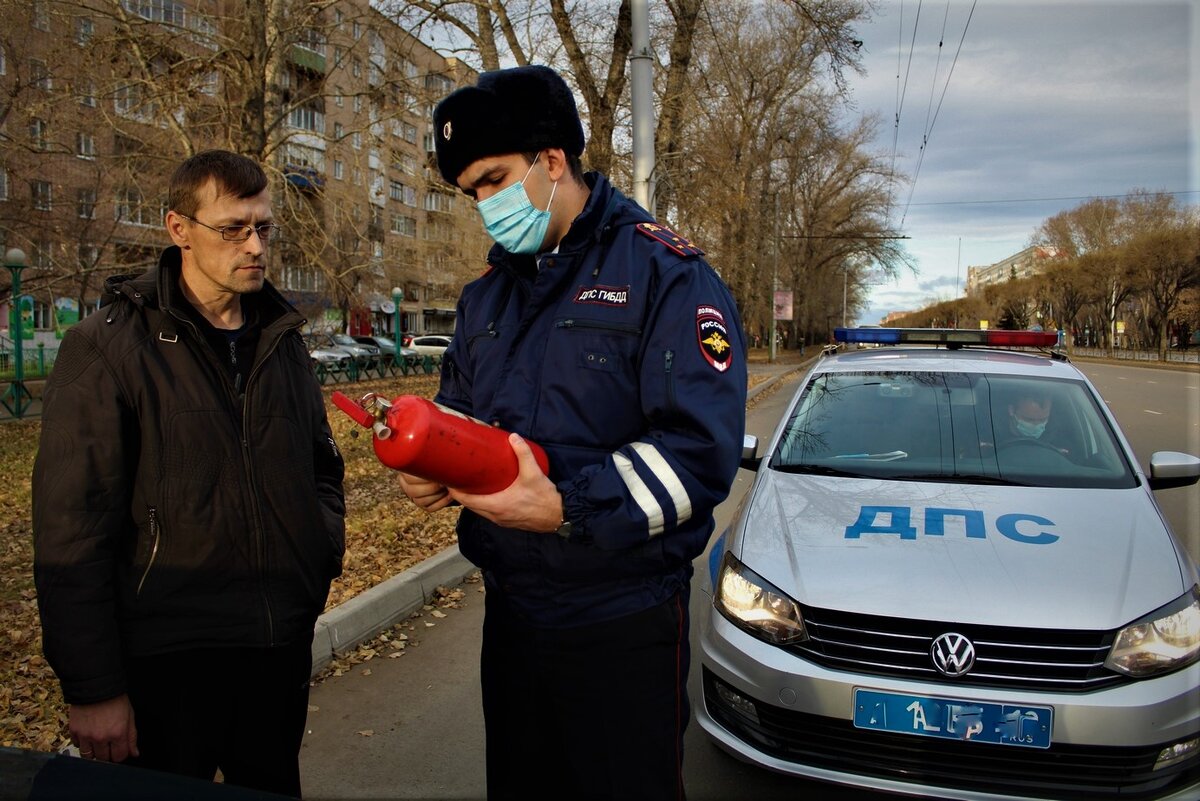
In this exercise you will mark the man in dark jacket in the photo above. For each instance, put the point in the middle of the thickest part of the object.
(605, 338)
(187, 502)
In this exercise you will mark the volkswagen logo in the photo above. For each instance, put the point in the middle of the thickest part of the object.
(952, 654)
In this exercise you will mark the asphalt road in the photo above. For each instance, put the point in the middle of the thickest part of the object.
(411, 727)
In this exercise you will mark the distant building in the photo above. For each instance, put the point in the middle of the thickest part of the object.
(1029, 262)
(892, 317)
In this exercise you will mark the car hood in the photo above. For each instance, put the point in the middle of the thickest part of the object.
(1066, 558)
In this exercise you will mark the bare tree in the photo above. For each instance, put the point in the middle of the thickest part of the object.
(1163, 255)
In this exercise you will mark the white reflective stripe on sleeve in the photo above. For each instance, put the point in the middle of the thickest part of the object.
(663, 472)
(641, 493)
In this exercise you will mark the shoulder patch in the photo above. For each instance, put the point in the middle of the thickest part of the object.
(672, 240)
(713, 337)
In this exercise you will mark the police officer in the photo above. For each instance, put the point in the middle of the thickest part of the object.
(608, 340)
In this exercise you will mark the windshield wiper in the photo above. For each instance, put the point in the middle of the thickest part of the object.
(960, 478)
(819, 470)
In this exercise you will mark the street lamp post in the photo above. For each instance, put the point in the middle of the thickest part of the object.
(397, 298)
(17, 399)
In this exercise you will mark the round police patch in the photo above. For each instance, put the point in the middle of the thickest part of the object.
(713, 338)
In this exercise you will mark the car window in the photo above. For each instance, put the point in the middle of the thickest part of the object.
(951, 427)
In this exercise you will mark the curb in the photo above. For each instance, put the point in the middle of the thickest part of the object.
(384, 605)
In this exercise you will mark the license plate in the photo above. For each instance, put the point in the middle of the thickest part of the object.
(951, 719)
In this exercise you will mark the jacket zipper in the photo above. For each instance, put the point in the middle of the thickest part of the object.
(154, 537)
(669, 357)
(248, 464)
(594, 325)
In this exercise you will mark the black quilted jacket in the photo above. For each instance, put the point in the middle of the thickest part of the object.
(171, 511)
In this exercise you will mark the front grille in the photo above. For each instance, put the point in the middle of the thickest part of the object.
(1066, 772)
(1058, 660)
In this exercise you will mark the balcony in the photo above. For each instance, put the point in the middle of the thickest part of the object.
(306, 179)
(308, 59)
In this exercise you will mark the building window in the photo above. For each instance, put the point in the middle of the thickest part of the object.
(168, 11)
(3, 63)
(338, 169)
(85, 146)
(38, 133)
(307, 119)
(356, 68)
(3, 184)
(338, 97)
(43, 199)
(356, 140)
(40, 15)
(356, 31)
(85, 204)
(357, 104)
(132, 208)
(338, 131)
(404, 226)
(84, 30)
(356, 176)
(39, 75)
(439, 201)
(87, 95)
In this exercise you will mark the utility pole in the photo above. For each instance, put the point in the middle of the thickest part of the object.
(17, 399)
(641, 90)
(774, 281)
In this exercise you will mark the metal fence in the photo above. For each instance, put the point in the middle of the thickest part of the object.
(39, 360)
(1189, 356)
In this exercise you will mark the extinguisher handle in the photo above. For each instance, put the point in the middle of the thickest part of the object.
(355, 412)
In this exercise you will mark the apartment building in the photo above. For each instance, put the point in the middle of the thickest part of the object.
(102, 100)
(1027, 263)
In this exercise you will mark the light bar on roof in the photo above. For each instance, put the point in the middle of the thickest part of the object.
(946, 336)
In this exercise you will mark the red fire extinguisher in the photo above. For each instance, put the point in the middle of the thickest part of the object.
(439, 444)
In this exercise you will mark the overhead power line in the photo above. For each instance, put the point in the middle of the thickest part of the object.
(1049, 199)
(929, 130)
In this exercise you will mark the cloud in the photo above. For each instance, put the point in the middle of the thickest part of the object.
(1047, 100)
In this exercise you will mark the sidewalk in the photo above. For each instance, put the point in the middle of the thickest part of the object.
(376, 610)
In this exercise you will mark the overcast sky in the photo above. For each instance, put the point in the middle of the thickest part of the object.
(1053, 99)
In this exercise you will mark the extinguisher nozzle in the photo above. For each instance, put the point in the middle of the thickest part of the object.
(381, 430)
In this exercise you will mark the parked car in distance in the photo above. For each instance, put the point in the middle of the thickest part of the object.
(387, 348)
(329, 359)
(430, 344)
(364, 356)
(950, 578)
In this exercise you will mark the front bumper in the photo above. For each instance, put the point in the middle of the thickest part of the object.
(1104, 743)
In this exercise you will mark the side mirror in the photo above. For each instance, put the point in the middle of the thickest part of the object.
(750, 458)
(1169, 469)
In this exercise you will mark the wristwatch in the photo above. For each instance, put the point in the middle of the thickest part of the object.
(564, 529)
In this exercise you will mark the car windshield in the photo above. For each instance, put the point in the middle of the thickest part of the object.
(953, 427)
(384, 342)
(343, 339)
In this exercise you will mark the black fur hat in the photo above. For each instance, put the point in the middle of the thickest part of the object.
(517, 110)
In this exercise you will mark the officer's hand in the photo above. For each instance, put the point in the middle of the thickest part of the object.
(105, 730)
(429, 495)
(530, 503)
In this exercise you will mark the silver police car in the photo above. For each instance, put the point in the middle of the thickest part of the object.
(950, 577)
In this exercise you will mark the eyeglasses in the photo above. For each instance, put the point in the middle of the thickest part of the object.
(240, 233)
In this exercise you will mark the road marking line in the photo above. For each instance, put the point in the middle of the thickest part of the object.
(1151, 411)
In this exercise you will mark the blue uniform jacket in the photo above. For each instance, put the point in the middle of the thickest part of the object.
(622, 356)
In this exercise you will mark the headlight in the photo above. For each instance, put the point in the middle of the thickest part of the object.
(754, 604)
(1165, 640)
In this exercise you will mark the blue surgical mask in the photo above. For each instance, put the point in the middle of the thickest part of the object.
(512, 220)
(1028, 429)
